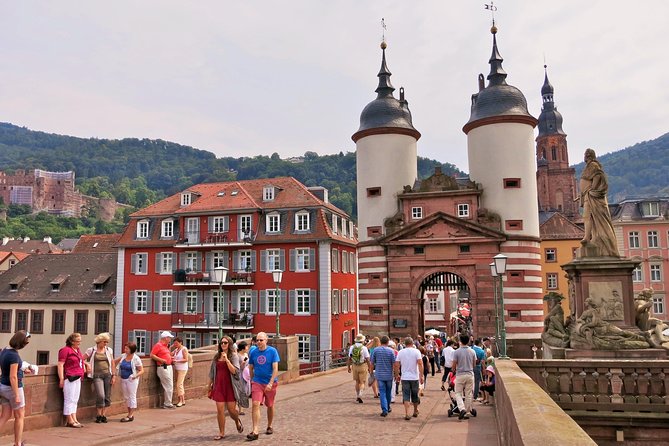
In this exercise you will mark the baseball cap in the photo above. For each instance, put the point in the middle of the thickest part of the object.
(166, 334)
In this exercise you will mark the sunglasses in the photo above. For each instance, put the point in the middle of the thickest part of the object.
(224, 342)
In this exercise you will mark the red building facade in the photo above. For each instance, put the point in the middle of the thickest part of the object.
(169, 252)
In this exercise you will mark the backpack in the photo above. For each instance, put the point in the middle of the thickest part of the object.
(190, 360)
(356, 354)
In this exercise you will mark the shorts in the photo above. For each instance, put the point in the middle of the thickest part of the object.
(7, 397)
(359, 372)
(410, 391)
(259, 393)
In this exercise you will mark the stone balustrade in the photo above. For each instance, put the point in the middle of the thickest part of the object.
(603, 385)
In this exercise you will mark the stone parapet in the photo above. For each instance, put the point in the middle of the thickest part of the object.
(526, 415)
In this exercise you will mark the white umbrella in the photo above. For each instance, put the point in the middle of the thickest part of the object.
(433, 332)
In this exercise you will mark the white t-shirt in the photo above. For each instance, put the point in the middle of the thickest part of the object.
(447, 353)
(408, 359)
(364, 353)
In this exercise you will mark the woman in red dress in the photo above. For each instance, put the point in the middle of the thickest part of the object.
(224, 365)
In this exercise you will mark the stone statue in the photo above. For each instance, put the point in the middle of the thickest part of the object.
(651, 327)
(556, 333)
(594, 333)
(596, 216)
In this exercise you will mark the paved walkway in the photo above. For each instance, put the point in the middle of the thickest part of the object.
(319, 410)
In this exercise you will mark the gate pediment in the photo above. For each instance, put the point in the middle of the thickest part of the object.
(442, 227)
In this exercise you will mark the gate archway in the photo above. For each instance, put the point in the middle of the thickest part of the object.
(455, 292)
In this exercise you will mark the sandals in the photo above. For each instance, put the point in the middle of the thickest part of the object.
(240, 426)
(219, 437)
(415, 414)
(251, 437)
(269, 431)
(407, 417)
(127, 419)
(74, 425)
(180, 404)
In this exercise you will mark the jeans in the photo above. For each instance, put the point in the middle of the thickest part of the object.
(102, 386)
(477, 380)
(385, 391)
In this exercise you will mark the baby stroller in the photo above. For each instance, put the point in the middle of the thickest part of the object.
(454, 410)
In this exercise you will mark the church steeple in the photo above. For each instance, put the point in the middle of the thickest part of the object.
(550, 120)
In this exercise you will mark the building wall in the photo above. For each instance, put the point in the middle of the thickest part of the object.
(47, 340)
(564, 250)
(387, 162)
(499, 151)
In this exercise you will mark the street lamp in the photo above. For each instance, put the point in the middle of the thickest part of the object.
(220, 274)
(499, 262)
(493, 273)
(277, 274)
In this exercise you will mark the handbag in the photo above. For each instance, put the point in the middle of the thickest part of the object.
(240, 392)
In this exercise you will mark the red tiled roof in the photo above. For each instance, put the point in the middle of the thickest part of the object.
(31, 247)
(96, 243)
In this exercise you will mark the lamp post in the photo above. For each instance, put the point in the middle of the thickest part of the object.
(493, 273)
(500, 268)
(277, 275)
(220, 274)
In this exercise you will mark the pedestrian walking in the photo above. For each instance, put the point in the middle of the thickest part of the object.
(431, 353)
(224, 368)
(264, 370)
(129, 368)
(447, 360)
(464, 360)
(160, 353)
(410, 364)
(358, 365)
(478, 368)
(426, 370)
(243, 352)
(180, 359)
(11, 384)
(382, 364)
(70, 373)
(375, 342)
(100, 360)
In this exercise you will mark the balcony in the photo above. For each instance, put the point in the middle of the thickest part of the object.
(210, 321)
(184, 277)
(195, 239)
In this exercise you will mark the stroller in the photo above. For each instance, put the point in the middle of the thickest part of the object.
(454, 410)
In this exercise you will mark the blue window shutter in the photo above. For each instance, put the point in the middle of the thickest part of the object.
(182, 301)
(156, 302)
(133, 263)
(198, 302)
(155, 337)
(263, 260)
(263, 302)
(182, 260)
(313, 345)
(208, 303)
(206, 339)
(209, 261)
(174, 302)
(235, 261)
(254, 266)
(149, 296)
(158, 259)
(198, 262)
(313, 301)
(131, 302)
(292, 301)
(210, 225)
(282, 302)
(234, 300)
(282, 259)
(226, 259)
(312, 259)
(226, 223)
(254, 301)
(226, 303)
(131, 336)
(293, 259)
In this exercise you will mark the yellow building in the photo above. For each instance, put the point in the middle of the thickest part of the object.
(559, 240)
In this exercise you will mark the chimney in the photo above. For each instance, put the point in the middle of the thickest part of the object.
(5, 240)
(47, 239)
(26, 239)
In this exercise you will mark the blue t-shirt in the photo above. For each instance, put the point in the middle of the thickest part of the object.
(383, 359)
(262, 361)
(8, 357)
(480, 355)
(126, 369)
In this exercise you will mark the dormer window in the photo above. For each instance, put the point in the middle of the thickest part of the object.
(143, 229)
(14, 287)
(268, 193)
(15, 284)
(650, 209)
(167, 229)
(186, 198)
(272, 224)
(302, 222)
(99, 282)
(99, 287)
(58, 282)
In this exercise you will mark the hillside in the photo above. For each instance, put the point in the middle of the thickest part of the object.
(141, 171)
(638, 170)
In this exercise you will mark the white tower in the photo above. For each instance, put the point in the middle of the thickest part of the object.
(386, 156)
(500, 144)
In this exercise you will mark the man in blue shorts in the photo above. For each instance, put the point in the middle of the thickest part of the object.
(264, 371)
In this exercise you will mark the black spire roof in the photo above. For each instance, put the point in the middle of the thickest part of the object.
(550, 120)
(498, 98)
(386, 112)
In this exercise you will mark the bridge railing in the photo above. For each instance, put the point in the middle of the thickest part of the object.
(604, 385)
(321, 360)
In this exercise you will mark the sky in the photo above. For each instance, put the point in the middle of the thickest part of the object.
(259, 77)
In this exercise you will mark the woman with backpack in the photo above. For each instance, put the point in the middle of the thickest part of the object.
(180, 359)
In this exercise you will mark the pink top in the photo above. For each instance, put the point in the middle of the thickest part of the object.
(73, 361)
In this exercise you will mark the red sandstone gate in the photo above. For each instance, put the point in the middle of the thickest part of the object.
(446, 294)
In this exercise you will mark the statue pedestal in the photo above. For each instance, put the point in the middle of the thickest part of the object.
(646, 353)
(608, 282)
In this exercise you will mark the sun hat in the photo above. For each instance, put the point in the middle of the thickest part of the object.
(490, 369)
(360, 337)
(166, 334)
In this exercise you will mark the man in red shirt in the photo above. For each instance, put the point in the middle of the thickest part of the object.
(160, 353)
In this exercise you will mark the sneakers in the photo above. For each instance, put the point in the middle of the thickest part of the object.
(169, 406)
(359, 400)
(384, 414)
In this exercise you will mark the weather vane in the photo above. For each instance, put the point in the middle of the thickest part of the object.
(492, 8)
(383, 32)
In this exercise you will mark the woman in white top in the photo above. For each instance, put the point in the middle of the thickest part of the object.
(180, 361)
(129, 368)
